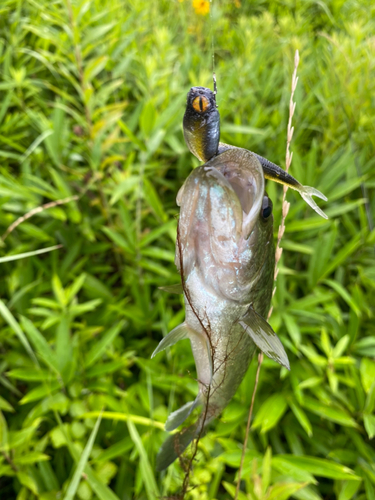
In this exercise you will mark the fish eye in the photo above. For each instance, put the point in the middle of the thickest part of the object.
(201, 103)
(266, 207)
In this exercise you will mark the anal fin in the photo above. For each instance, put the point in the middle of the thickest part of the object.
(179, 416)
(264, 337)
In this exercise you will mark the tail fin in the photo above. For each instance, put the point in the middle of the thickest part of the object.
(175, 445)
(307, 192)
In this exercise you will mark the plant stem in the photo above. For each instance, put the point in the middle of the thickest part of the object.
(278, 252)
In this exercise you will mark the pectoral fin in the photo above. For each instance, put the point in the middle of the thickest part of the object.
(176, 418)
(178, 333)
(264, 337)
(172, 288)
(201, 349)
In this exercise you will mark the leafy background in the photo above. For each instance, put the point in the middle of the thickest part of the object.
(92, 98)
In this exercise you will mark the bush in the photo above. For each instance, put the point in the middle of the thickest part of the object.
(92, 98)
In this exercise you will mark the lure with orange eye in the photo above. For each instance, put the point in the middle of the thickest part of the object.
(201, 104)
(202, 123)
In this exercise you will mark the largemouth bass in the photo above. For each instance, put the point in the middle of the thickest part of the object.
(225, 254)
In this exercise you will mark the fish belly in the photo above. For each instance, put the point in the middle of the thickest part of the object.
(231, 347)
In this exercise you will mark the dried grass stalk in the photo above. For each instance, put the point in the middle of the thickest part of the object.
(37, 210)
(278, 253)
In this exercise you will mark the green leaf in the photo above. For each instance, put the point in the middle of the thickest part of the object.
(348, 490)
(266, 469)
(58, 290)
(283, 491)
(35, 144)
(115, 450)
(28, 374)
(94, 67)
(291, 470)
(145, 467)
(369, 421)
(270, 412)
(134, 139)
(231, 489)
(147, 118)
(76, 286)
(118, 239)
(72, 488)
(30, 458)
(341, 346)
(125, 187)
(98, 349)
(334, 414)
(41, 345)
(4, 443)
(91, 305)
(344, 295)
(152, 199)
(64, 348)
(301, 417)
(320, 467)
(370, 399)
(9, 318)
(342, 255)
(367, 370)
(4, 405)
(27, 480)
(40, 392)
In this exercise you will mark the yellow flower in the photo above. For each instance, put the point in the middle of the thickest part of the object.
(201, 7)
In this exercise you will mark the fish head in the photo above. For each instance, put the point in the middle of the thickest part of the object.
(201, 123)
(225, 220)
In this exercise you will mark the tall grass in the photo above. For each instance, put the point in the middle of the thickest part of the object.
(92, 98)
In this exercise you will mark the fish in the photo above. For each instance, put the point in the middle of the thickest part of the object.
(201, 125)
(225, 255)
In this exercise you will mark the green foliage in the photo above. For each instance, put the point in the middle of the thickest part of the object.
(92, 98)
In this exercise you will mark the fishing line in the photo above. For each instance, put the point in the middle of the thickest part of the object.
(213, 51)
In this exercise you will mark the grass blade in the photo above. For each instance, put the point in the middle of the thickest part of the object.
(10, 319)
(9, 258)
(146, 471)
(72, 489)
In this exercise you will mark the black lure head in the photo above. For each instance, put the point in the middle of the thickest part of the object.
(202, 123)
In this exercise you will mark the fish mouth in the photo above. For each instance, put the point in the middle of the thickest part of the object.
(244, 173)
(219, 224)
(240, 173)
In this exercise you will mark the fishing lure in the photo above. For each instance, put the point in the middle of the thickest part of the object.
(202, 135)
(225, 255)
